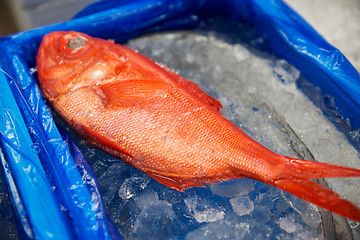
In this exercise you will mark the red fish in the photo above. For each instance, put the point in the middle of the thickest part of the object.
(164, 125)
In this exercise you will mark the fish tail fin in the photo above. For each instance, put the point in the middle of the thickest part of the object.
(319, 195)
(312, 169)
(296, 180)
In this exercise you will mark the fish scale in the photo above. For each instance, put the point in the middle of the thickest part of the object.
(162, 124)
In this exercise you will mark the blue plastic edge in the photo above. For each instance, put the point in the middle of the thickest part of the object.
(289, 35)
(40, 203)
(78, 201)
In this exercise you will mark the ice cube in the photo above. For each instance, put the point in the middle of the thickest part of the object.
(226, 228)
(233, 188)
(154, 221)
(242, 205)
(132, 185)
(203, 211)
(285, 72)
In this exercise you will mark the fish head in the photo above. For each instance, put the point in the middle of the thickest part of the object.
(69, 60)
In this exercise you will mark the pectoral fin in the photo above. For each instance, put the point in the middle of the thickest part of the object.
(132, 92)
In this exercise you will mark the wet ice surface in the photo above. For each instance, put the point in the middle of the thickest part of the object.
(261, 95)
(149, 210)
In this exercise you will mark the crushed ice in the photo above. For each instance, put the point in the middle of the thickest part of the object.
(202, 210)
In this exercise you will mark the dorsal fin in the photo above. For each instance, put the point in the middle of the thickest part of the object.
(202, 96)
(196, 91)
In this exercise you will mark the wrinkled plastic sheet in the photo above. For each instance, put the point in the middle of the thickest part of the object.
(54, 191)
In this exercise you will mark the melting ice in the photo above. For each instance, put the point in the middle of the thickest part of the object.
(265, 97)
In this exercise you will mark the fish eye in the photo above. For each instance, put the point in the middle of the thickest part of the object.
(77, 42)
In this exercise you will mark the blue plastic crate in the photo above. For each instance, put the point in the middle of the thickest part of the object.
(41, 164)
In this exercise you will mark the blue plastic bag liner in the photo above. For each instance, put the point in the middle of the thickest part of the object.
(53, 189)
(27, 170)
